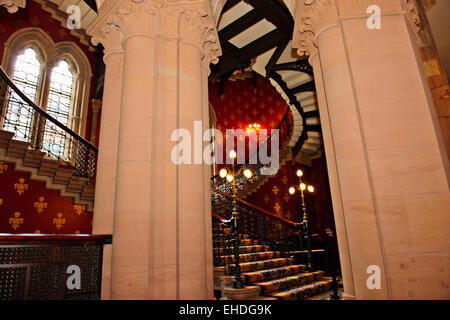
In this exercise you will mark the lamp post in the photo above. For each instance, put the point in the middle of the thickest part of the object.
(302, 187)
(231, 177)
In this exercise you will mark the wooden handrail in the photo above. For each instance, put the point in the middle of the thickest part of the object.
(220, 218)
(292, 223)
(45, 239)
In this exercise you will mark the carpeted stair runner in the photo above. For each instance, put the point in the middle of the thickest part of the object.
(277, 277)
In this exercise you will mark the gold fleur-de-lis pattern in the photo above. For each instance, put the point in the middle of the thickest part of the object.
(21, 186)
(16, 220)
(26, 206)
(275, 190)
(59, 221)
(40, 205)
(78, 209)
(277, 207)
(274, 195)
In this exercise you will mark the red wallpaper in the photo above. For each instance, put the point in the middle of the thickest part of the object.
(34, 16)
(26, 206)
(274, 195)
(243, 104)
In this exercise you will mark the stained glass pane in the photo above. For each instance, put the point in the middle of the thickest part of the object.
(26, 77)
(58, 106)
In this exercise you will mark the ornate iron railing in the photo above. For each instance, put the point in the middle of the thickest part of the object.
(266, 227)
(32, 124)
(51, 267)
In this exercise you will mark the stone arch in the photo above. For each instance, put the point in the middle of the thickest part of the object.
(82, 72)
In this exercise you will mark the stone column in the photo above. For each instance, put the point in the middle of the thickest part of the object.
(389, 171)
(96, 104)
(105, 185)
(162, 217)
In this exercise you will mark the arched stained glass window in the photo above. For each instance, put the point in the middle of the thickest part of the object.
(58, 106)
(26, 74)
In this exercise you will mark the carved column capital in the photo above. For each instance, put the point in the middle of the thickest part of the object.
(189, 21)
(315, 16)
(110, 37)
(13, 5)
(311, 17)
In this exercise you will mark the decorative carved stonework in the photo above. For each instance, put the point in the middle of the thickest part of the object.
(315, 16)
(416, 22)
(312, 15)
(189, 21)
(13, 5)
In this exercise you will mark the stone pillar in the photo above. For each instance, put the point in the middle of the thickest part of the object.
(389, 171)
(96, 104)
(105, 185)
(162, 217)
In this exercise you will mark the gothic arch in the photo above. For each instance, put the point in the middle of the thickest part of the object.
(48, 54)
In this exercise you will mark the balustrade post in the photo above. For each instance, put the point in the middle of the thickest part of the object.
(237, 282)
(331, 264)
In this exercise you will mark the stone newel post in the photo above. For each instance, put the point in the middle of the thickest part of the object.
(159, 212)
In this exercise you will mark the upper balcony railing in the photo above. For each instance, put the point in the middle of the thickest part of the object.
(32, 124)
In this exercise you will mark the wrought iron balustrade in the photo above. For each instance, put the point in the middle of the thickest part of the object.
(32, 124)
(40, 267)
(266, 227)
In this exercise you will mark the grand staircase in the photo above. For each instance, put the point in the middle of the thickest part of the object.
(47, 149)
(265, 273)
(54, 173)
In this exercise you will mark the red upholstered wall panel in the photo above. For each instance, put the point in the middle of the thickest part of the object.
(27, 206)
(34, 16)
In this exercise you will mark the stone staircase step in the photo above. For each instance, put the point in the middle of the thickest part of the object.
(42, 167)
(17, 148)
(88, 192)
(244, 242)
(265, 264)
(63, 175)
(5, 138)
(76, 184)
(33, 158)
(252, 257)
(303, 292)
(224, 230)
(290, 282)
(48, 167)
(272, 274)
(245, 249)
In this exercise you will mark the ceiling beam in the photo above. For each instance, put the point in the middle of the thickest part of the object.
(241, 24)
(91, 4)
(275, 13)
